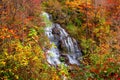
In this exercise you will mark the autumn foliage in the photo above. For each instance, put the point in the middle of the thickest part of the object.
(22, 41)
(94, 23)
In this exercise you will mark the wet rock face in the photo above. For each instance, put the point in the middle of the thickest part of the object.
(58, 37)
(56, 31)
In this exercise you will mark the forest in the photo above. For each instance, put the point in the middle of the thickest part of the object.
(59, 39)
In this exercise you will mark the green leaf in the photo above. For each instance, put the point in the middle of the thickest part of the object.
(32, 32)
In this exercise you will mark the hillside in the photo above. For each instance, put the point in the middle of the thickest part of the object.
(60, 40)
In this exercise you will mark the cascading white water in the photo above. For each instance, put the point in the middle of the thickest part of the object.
(60, 38)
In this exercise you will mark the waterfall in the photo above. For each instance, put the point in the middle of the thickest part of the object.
(64, 46)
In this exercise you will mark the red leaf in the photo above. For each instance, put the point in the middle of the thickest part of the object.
(118, 79)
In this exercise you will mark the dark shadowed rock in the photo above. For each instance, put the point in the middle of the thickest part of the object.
(55, 30)
(66, 60)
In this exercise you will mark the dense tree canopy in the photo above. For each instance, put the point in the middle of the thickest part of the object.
(95, 24)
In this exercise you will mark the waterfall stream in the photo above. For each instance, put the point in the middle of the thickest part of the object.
(65, 49)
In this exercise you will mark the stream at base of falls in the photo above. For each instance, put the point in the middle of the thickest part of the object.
(64, 48)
